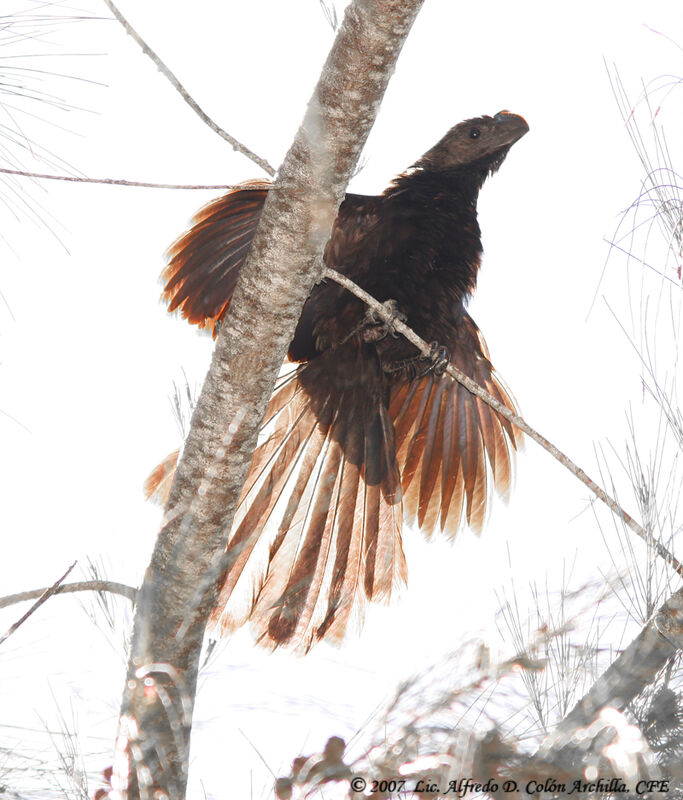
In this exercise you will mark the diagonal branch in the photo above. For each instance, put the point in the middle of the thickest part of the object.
(69, 588)
(177, 85)
(45, 595)
(497, 406)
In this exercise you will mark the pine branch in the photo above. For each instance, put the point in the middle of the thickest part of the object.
(124, 182)
(177, 85)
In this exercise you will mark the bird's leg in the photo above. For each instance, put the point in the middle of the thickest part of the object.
(375, 328)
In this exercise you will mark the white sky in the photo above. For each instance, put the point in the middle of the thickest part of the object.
(88, 354)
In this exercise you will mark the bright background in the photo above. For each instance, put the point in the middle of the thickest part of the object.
(89, 355)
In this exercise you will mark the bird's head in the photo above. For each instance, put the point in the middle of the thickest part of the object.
(476, 145)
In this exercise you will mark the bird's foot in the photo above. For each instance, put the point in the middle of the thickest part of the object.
(435, 361)
(439, 357)
(377, 327)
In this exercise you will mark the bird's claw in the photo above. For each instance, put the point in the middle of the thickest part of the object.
(437, 360)
(440, 358)
(378, 327)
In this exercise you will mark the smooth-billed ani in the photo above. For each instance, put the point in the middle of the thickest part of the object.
(364, 429)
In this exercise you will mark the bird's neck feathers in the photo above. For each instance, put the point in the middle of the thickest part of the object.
(461, 183)
(440, 207)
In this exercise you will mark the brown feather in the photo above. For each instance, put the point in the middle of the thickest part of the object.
(259, 509)
(158, 483)
(406, 399)
(475, 477)
(204, 263)
(284, 608)
(448, 436)
(431, 460)
(414, 446)
(450, 465)
(347, 562)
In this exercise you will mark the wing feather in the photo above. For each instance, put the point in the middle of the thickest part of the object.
(431, 460)
(205, 262)
(458, 446)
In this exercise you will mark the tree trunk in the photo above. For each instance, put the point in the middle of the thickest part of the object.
(179, 589)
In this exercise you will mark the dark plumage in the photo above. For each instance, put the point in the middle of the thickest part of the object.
(363, 429)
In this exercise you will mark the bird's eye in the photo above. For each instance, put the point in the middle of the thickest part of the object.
(475, 133)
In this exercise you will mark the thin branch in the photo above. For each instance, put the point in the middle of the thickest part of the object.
(123, 182)
(69, 588)
(166, 72)
(386, 315)
(643, 262)
(45, 595)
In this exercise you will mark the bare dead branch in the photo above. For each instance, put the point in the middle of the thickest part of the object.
(277, 277)
(69, 588)
(45, 595)
(634, 669)
(497, 406)
(123, 182)
(177, 85)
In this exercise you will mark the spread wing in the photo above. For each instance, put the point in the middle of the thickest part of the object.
(452, 449)
(204, 263)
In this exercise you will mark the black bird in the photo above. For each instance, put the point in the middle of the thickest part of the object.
(364, 428)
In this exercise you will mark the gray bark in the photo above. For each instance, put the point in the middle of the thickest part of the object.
(179, 589)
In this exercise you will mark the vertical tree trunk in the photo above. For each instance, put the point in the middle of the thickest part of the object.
(179, 589)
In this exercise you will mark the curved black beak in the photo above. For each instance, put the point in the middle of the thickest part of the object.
(515, 126)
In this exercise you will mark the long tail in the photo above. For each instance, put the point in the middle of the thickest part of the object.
(318, 528)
